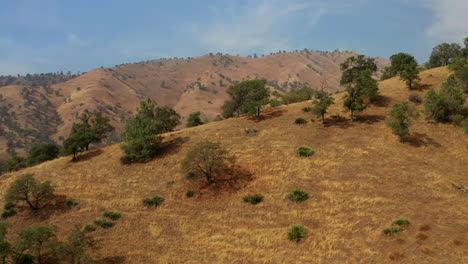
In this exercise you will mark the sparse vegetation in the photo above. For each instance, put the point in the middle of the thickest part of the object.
(9, 210)
(189, 194)
(298, 196)
(305, 151)
(89, 228)
(253, 198)
(296, 233)
(250, 131)
(207, 159)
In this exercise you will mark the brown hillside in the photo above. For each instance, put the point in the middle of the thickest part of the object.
(188, 85)
(359, 180)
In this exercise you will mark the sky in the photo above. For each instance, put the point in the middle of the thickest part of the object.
(59, 35)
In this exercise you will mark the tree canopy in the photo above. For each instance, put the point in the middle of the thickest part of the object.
(406, 67)
(247, 97)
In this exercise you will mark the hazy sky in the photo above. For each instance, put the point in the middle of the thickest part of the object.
(52, 35)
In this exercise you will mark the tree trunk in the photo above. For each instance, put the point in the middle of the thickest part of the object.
(352, 115)
(323, 119)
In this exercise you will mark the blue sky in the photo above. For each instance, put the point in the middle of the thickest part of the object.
(53, 35)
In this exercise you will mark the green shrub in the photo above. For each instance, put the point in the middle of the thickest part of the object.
(155, 201)
(305, 151)
(300, 121)
(402, 221)
(112, 215)
(70, 203)
(307, 109)
(104, 223)
(298, 196)
(297, 233)
(456, 119)
(312, 120)
(253, 198)
(89, 228)
(391, 230)
(189, 193)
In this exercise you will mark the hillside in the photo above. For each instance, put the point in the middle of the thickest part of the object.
(32, 113)
(359, 180)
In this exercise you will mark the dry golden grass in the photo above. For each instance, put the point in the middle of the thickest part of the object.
(359, 180)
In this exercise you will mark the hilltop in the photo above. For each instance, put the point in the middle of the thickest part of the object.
(359, 180)
(34, 112)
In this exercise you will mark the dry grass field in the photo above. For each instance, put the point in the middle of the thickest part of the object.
(359, 180)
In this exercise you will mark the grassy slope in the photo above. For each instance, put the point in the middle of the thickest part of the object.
(360, 179)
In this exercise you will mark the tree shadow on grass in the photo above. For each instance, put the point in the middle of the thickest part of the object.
(369, 119)
(88, 155)
(172, 146)
(422, 87)
(114, 260)
(268, 115)
(338, 121)
(420, 139)
(381, 101)
(232, 180)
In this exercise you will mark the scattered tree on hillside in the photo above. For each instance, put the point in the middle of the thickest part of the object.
(30, 191)
(401, 116)
(75, 247)
(299, 95)
(194, 120)
(141, 133)
(15, 163)
(42, 153)
(460, 70)
(34, 240)
(443, 54)
(406, 67)
(321, 104)
(93, 127)
(74, 145)
(207, 159)
(247, 97)
(360, 86)
(447, 104)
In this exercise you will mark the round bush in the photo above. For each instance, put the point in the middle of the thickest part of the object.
(189, 193)
(104, 223)
(402, 221)
(253, 198)
(296, 233)
(300, 121)
(391, 230)
(306, 109)
(305, 151)
(89, 228)
(112, 215)
(298, 196)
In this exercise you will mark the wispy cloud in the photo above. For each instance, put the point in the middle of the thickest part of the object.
(451, 22)
(257, 26)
